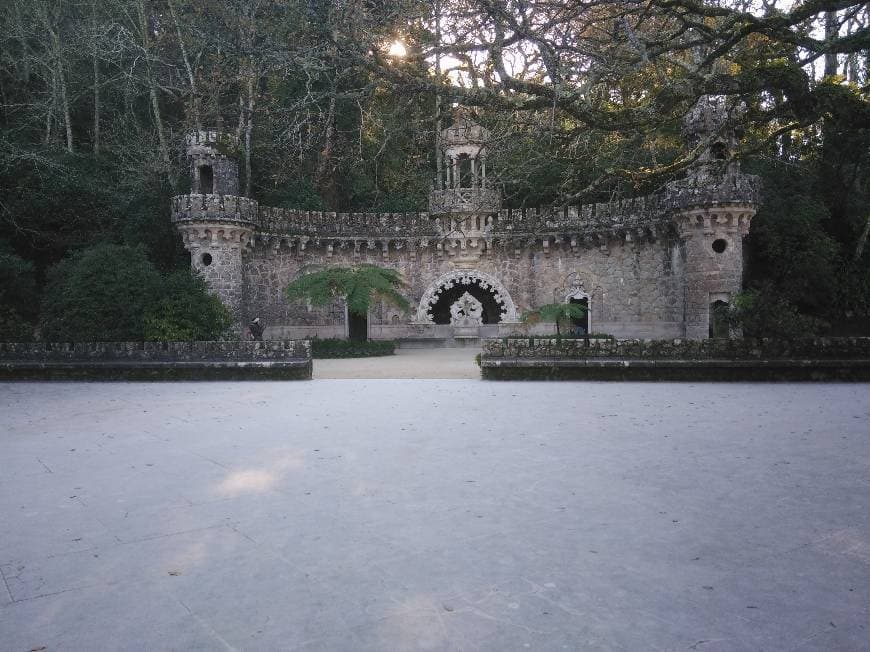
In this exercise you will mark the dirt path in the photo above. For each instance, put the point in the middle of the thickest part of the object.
(407, 363)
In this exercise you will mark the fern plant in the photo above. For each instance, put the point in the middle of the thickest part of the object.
(359, 286)
(556, 312)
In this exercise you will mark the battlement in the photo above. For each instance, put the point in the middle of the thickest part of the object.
(711, 190)
(211, 138)
(625, 215)
(286, 221)
(214, 208)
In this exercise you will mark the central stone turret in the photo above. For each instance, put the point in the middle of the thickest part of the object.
(462, 187)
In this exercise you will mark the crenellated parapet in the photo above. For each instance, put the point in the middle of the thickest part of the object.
(214, 208)
(322, 224)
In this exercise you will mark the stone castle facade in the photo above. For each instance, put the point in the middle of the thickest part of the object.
(649, 267)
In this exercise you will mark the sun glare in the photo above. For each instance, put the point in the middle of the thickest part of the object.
(397, 49)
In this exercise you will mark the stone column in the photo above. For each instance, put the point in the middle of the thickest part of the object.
(712, 243)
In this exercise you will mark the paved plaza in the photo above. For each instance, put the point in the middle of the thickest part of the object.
(378, 514)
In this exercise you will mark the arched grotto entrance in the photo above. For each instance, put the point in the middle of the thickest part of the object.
(435, 304)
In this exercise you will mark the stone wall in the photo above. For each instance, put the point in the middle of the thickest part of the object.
(636, 288)
(649, 265)
(156, 351)
(823, 348)
(269, 360)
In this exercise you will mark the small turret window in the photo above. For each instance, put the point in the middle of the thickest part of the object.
(720, 245)
(464, 171)
(206, 259)
(719, 151)
(206, 180)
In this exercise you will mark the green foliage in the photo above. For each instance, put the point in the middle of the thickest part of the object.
(17, 285)
(99, 294)
(333, 348)
(558, 313)
(358, 286)
(789, 248)
(764, 313)
(13, 327)
(294, 193)
(186, 312)
(114, 293)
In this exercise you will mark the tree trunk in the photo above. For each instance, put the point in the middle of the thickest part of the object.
(49, 114)
(249, 126)
(96, 84)
(831, 31)
(61, 84)
(152, 93)
(194, 102)
(326, 152)
(862, 240)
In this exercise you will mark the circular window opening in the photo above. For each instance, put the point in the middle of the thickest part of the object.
(206, 259)
(720, 245)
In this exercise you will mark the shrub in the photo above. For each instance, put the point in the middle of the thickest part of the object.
(186, 311)
(333, 348)
(113, 293)
(13, 327)
(99, 294)
(763, 314)
(18, 297)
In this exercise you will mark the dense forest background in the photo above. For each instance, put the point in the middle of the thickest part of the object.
(584, 100)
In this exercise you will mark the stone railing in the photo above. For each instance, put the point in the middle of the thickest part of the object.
(214, 208)
(824, 348)
(464, 200)
(315, 224)
(238, 350)
(231, 360)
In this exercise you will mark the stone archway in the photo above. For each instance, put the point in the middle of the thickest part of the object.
(478, 282)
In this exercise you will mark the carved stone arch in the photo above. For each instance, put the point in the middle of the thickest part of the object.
(579, 286)
(466, 277)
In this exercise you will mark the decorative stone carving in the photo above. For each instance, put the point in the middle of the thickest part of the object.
(465, 277)
(466, 311)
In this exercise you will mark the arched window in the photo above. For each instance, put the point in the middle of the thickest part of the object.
(465, 176)
(719, 151)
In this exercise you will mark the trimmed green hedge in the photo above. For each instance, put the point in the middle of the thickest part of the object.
(332, 348)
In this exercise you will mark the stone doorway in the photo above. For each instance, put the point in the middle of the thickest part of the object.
(357, 327)
(581, 322)
(719, 322)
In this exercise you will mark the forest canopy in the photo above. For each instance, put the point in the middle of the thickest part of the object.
(584, 101)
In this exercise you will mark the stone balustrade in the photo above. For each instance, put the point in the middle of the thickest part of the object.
(464, 200)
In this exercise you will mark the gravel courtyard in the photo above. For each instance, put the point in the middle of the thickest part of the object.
(434, 515)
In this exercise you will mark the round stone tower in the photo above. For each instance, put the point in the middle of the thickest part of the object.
(215, 223)
(712, 210)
